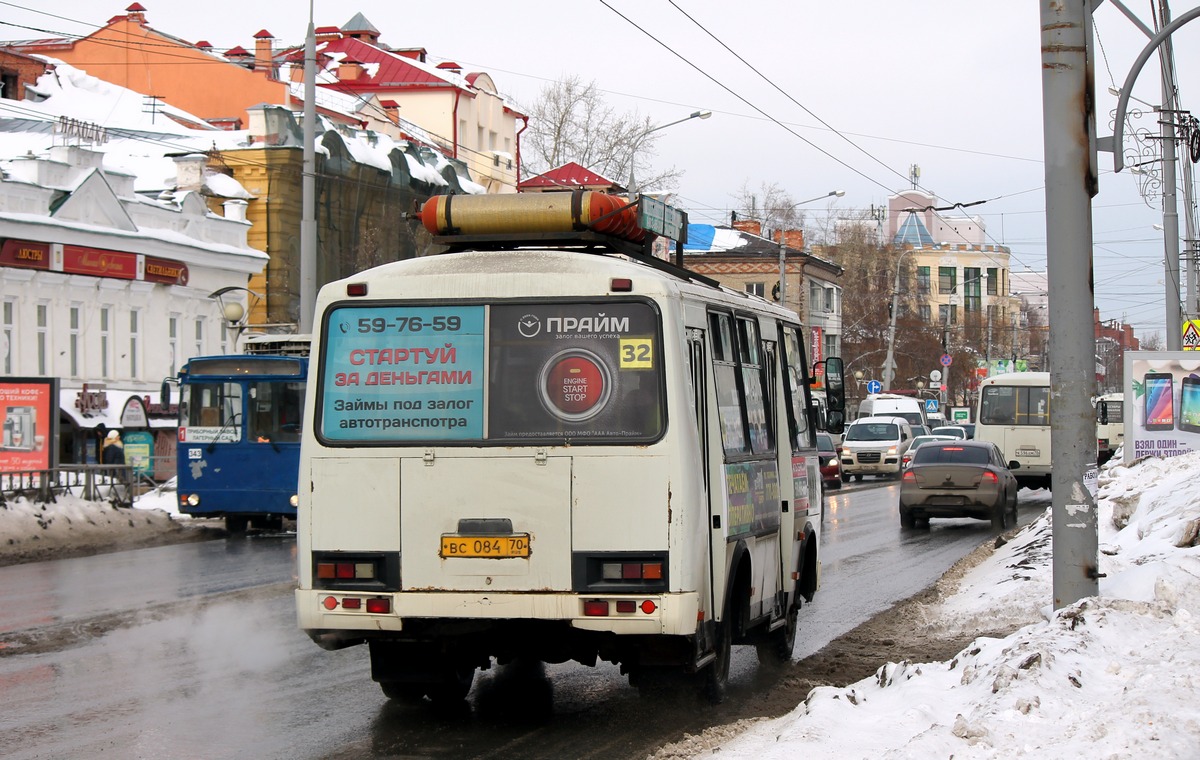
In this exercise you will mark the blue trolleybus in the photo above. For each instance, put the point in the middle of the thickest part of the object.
(239, 433)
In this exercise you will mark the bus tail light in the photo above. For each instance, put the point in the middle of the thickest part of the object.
(595, 608)
(379, 605)
(361, 571)
(620, 573)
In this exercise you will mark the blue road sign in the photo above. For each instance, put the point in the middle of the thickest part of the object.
(930, 405)
(946, 360)
(874, 386)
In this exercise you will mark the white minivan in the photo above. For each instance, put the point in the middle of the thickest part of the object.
(874, 446)
(893, 405)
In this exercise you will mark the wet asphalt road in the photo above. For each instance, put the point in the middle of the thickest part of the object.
(192, 651)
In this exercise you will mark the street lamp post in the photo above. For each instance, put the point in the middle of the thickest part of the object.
(634, 146)
(783, 244)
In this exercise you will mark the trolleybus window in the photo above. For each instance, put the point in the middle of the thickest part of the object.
(213, 411)
(276, 409)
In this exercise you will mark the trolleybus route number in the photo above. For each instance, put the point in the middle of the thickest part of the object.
(486, 546)
(409, 324)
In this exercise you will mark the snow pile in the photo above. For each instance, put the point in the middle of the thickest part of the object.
(72, 526)
(1114, 676)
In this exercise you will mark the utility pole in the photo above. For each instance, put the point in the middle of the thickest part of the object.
(1069, 124)
(1174, 316)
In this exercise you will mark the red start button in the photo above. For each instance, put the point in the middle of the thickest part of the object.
(575, 384)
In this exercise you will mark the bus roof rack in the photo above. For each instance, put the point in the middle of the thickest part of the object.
(581, 220)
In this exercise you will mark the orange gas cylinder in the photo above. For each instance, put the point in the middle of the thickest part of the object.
(531, 212)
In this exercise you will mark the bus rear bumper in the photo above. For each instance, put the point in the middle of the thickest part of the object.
(326, 613)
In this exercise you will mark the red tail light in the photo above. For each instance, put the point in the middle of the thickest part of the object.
(989, 477)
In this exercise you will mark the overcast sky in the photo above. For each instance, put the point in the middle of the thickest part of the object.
(851, 95)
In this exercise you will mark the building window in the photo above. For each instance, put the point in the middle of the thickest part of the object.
(43, 337)
(947, 314)
(946, 280)
(814, 295)
(831, 345)
(173, 344)
(10, 87)
(105, 340)
(923, 284)
(972, 286)
(993, 281)
(756, 289)
(199, 338)
(134, 337)
(10, 308)
(926, 312)
(830, 301)
(73, 339)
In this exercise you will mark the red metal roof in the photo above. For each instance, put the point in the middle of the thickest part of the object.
(568, 177)
(394, 71)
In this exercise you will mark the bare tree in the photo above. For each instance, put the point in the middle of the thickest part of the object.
(571, 121)
(770, 205)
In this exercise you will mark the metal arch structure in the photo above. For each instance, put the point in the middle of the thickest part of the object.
(1114, 143)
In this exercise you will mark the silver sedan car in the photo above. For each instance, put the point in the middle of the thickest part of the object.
(959, 478)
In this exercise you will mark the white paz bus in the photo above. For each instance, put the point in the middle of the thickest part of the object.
(546, 445)
(1014, 413)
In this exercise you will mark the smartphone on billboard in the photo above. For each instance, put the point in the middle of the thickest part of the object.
(1189, 405)
(1160, 397)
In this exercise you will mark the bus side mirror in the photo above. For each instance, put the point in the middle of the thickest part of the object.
(835, 384)
(835, 421)
(1103, 413)
(165, 393)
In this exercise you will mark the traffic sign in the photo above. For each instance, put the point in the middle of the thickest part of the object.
(874, 386)
(931, 405)
(935, 376)
(946, 360)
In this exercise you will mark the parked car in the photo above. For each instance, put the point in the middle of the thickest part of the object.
(954, 431)
(831, 466)
(917, 441)
(873, 446)
(959, 479)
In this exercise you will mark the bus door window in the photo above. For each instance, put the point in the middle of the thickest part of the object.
(750, 356)
(729, 407)
(795, 387)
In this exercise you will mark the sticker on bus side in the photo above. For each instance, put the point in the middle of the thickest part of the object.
(753, 491)
(397, 373)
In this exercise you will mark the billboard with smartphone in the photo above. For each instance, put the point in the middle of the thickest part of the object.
(1163, 418)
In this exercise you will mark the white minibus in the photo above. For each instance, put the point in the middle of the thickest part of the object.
(547, 445)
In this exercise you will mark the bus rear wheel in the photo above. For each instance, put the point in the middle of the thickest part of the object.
(236, 524)
(775, 650)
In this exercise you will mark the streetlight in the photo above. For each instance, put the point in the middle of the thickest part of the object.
(890, 362)
(638, 139)
(783, 245)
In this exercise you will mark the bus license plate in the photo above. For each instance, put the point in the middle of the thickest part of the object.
(486, 546)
